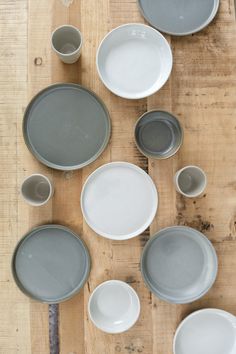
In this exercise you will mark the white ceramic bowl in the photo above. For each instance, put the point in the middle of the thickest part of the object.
(134, 61)
(114, 306)
(208, 331)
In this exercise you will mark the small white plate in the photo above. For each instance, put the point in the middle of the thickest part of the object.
(119, 200)
(114, 306)
(208, 331)
(134, 61)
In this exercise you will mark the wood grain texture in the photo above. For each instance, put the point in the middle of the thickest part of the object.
(201, 92)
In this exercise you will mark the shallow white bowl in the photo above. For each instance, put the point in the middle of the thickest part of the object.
(208, 331)
(114, 306)
(134, 61)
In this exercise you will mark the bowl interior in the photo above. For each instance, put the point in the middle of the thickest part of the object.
(158, 134)
(179, 265)
(207, 331)
(114, 307)
(134, 61)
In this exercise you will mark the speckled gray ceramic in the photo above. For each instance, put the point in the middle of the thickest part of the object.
(179, 264)
(50, 264)
(179, 17)
(158, 134)
(67, 42)
(66, 126)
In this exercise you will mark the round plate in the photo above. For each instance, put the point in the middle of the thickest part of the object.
(114, 306)
(179, 17)
(179, 264)
(119, 200)
(50, 264)
(134, 61)
(158, 134)
(208, 331)
(66, 126)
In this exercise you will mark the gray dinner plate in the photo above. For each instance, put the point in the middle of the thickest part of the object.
(179, 17)
(50, 264)
(179, 264)
(66, 126)
(158, 134)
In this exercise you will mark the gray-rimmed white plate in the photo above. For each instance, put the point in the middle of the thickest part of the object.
(66, 126)
(50, 264)
(179, 17)
(179, 264)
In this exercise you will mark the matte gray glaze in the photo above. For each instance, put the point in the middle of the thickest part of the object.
(179, 264)
(179, 17)
(158, 134)
(66, 126)
(50, 264)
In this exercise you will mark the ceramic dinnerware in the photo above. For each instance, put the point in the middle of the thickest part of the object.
(114, 306)
(37, 189)
(66, 42)
(190, 181)
(134, 61)
(50, 264)
(179, 264)
(207, 331)
(158, 134)
(119, 200)
(66, 126)
(179, 17)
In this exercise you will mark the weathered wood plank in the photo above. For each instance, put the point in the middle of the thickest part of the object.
(201, 92)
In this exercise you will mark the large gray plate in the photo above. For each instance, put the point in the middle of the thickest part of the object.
(50, 264)
(179, 264)
(66, 126)
(179, 17)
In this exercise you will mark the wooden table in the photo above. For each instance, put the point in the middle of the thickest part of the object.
(201, 92)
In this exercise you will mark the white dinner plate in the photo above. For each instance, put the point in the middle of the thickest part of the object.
(114, 306)
(134, 60)
(119, 200)
(208, 331)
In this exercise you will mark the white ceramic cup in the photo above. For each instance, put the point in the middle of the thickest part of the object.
(37, 189)
(66, 42)
(190, 181)
(114, 306)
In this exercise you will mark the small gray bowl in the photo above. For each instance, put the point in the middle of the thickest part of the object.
(158, 134)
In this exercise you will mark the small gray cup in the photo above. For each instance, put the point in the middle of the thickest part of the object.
(37, 189)
(66, 42)
(190, 181)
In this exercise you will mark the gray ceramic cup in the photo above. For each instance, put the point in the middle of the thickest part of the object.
(66, 42)
(37, 189)
(190, 181)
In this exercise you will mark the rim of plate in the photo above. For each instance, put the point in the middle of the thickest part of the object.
(147, 223)
(127, 286)
(181, 34)
(136, 96)
(30, 234)
(168, 298)
(37, 155)
(226, 314)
